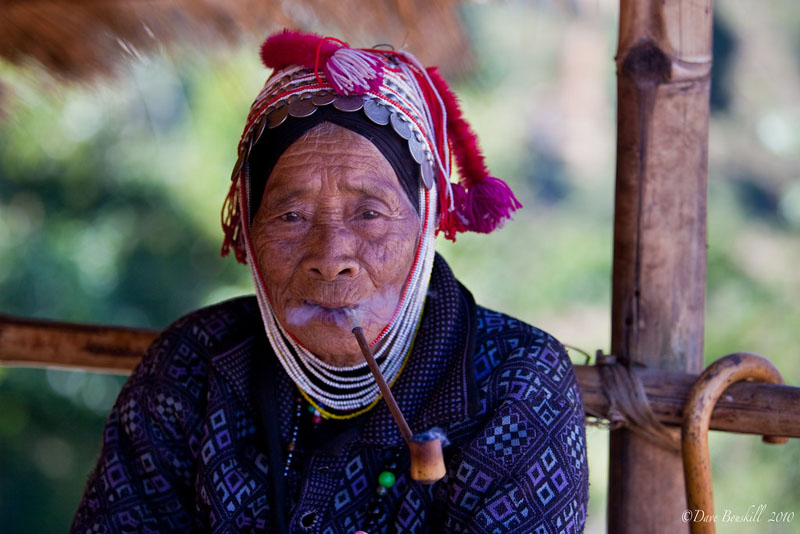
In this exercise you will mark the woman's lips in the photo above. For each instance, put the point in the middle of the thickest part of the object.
(330, 306)
(329, 314)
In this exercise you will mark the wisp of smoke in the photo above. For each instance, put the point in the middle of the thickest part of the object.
(301, 315)
(432, 434)
(352, 317)
(380, 304)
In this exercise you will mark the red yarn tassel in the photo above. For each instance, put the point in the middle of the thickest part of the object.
(488, 201)
(451, 221)
(296, 48)
(462, 139)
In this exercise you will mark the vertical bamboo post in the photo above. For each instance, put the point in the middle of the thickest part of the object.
(658, 302)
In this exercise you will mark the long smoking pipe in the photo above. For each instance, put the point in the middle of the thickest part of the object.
(427, 461)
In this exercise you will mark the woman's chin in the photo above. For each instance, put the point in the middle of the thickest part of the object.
(331, 344)
(340, 356)
(342, 360)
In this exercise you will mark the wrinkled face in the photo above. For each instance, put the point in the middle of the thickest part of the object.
(334, 230)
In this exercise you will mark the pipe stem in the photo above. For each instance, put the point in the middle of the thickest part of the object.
(382, 385)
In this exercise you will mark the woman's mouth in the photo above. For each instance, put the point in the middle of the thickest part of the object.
(332, 314)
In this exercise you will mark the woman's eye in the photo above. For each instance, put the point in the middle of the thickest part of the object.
(370, 214)
(291, 216)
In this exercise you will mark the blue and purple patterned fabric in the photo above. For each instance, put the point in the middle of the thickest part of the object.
(183, 448)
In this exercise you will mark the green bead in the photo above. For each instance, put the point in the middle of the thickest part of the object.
(386, 479)
(311, 408)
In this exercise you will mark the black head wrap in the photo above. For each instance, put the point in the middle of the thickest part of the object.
(274, 142)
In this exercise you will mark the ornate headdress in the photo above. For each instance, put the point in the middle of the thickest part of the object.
(392, 89)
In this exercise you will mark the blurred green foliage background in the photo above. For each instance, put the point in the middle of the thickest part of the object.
(110, 196)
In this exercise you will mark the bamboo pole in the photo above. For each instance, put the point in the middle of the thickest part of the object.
(663, 69)
(38, 343)
(749, 408)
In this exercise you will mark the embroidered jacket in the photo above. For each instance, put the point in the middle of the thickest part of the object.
(184, 447)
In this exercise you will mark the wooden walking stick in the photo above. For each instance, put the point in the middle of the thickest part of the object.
(696, 417)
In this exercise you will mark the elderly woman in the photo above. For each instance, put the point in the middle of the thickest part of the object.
(261, 415)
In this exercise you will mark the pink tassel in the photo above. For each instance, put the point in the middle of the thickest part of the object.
(350, 71)
(488, 204)
(353, 72)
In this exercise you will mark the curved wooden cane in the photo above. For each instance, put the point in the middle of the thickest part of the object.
(694, 437)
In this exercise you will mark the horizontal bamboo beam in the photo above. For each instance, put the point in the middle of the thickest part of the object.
(38, 343)
(746, 407)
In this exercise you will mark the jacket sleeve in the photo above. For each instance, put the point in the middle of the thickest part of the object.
(525, 470)
(143, 478)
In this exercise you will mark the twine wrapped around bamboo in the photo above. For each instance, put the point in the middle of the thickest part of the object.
(628, 405)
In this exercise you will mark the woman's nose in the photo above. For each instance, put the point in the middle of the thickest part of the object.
(331, 253)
